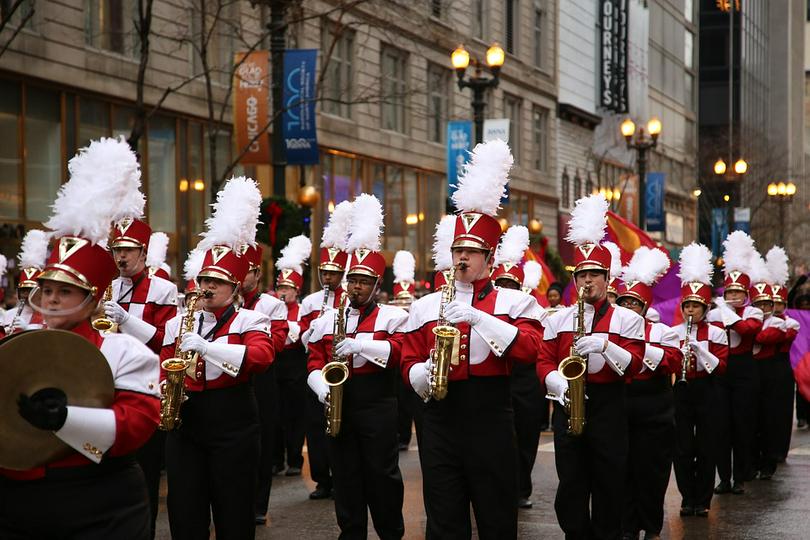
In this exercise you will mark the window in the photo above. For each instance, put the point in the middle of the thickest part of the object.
(219, 26)
(9, 151)
(394, 87)
(565, 188)
(688, 45)
(478, 20)
(510, 37)
(43, 158)
(539, 33)
(23, 12)
(109, 25)
(437, 107)
(589, 188)
(540, 128)
(162, 175)
(511, 109)
(436, 8)
(688, 10)
(577, 185)
(94, 120)
(338, 50)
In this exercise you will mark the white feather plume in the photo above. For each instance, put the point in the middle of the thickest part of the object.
(514, 243)
(646, 266)
(193, 264)
(156, 252)
(777, 261)
(588, 220)
(758, 270)
(532, 274)
(235, 216)
(3, 265)
(103, 187)
(404, 266)
(366, 224)
(483, 179)
(738, 252)
(336, 232)
(442, 240)
(166, 268)
(615, 258)
(295, 253)
(696, 264)
(34, 249)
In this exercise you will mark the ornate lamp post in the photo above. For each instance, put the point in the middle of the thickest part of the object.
(638, 141)
(782, 193)
(460, 58)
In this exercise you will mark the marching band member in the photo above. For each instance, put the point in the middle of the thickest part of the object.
(156, 256)
(738, 387)
(650, 408)
(404, 268)
(97, 491)
(532, 274)
(33, 252)
(212, 458)
(591, 466)
(442, 254)
(408, 404)
(527, 398)
(363, 441)
(777, 262)
(332, 265)
(615, 271)
(463, 431)
(705, 351)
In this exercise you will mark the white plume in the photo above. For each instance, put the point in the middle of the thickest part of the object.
(758, 270)
(235, 216)
(514, 243)
(366, 224)
(532, 274)
(404, 266)
(588, 220)
(3, 265)
(295, 253)
(483, 179)
(193, 263)
(696, 264)
(166, 268)
(442, 240)
(104, 180)
(336, 232)
(34, 249)
(738, 251)
(777, 261)
(156, 252)
(615, 258)
(646, 266)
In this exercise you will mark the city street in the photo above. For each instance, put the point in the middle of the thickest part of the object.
(770, 509)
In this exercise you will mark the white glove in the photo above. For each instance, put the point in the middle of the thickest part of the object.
(349, 346)
(706, 361)
(457, 312)
(18, 326)
(316, 384)
(305, 336)
(115, 313)
(419, 376)
(556, 387)
(590, 345)
(193, 342)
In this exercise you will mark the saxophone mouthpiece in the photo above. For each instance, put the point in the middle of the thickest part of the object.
(206, 294)
(463, 266)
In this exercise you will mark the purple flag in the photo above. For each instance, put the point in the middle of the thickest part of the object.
(801, 345)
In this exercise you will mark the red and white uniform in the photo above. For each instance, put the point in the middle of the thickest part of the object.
(121, 429)
(150, 301)
(662, 355)
(712, 358)
(769, 340)
(620, 326)
(294, 334)
(792, 328)
(251, 349)
(311, 309)
(510, 331)
(275, 310)
(28, 319)
(743, 324)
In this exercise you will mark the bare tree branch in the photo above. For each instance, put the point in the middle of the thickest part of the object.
(6, 20)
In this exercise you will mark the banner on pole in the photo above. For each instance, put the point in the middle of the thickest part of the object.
(459, 144)
(654, 202)
(300, 132)
(251, 103)
(719, 229)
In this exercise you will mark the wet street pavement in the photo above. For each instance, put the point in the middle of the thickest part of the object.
(777, 508)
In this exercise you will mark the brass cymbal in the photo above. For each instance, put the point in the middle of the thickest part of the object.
(40, 359)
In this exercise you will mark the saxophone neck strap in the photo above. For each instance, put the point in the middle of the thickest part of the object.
(226, 316)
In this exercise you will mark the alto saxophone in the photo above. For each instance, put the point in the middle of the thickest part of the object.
(446, 344)
(103, 324)
(336, 372)
(687, 354)
(573, 369)
(172, 389)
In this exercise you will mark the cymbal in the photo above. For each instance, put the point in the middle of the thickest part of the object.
(43, 359)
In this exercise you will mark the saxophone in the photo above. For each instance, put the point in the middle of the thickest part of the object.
(445, 347)
(103, 324)
(336, 372)
(172, 389)
(573, 369)
(687, 355)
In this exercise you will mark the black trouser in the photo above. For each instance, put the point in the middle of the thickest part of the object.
(528, 403)
(316, 443)
(802, 406)
(468, 453)
(775, 420)
(266, 390)
(592, 467)
(737, 391)
(94, 502)
(365, 459)
(651, 425)
(151, 458)
(405, 415)
(695, 452)
(291, 376)
(212, 462)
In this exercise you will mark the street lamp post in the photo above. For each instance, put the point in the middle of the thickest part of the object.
(461, 59)
(782, 193)
(641, 144)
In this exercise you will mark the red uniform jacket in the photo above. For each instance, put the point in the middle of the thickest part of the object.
(741, 333)
(662, 354)
(275, 310)
(717, 342)
(150, 299)
(768, 341)
(793, 327)
(311, 307)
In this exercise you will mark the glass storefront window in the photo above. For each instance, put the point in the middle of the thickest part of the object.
(394, 208)
(342, 178)
(9, 150)
(197, 197)
(43, 157)
(94, 120)
(162, 174)
(411, 211)
(328, 194)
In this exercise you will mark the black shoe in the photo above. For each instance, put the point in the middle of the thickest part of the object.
(524, 503)
(293, 471)
(738, 488)
(801, 423)
(403, 446)
(260, 519)
(320, 493)
(766, 475)
(277, 469)
(652, 535)
(723, 488)
(701, 511)
(687, 511)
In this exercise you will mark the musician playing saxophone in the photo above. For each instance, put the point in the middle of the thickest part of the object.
(364, 453)
(591, 466)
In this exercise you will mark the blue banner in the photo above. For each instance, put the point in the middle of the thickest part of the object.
(459, 144)
(299, 132)
(654, 202)
(719, 229)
